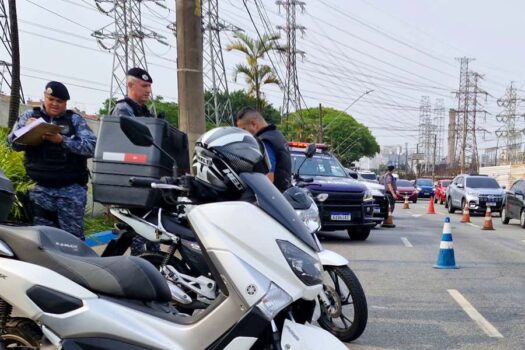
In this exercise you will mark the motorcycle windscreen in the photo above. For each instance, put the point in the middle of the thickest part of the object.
(271, 201)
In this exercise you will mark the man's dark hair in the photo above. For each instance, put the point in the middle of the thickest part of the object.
(391, 167)
(244, 111)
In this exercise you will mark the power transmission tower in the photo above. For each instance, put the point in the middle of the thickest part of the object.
(469, 106)
(439, 122)
(217, 106)
(128, 40)
(7, 54)
(292, 95)
(426, 132)
(510, 131)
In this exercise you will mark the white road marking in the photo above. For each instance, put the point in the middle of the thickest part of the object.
(523, 241)
(416, 215)
(406, 242)
(485, 325)
(379, 307)
(473, 225)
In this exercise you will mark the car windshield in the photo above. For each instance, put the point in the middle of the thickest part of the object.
(318, 165)
(482, 182)
(445, 183)
(369, 176)
(404, 183)
(424, 182)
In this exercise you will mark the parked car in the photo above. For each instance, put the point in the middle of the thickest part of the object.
(440, 190)
(406, 188)
(369, 176)
(425, 188)
(514, 204)
(378, 192)
(349, 204)
(477, 191)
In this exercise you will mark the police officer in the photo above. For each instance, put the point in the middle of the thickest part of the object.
(59, 164)
(134, 105)
(390, 187)
(275, 145)
(139, 90)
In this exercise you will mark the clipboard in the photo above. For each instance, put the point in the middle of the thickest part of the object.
(31, 134)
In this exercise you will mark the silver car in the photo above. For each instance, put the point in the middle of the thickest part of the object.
(477, 191)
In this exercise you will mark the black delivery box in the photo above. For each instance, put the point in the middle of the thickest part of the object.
(117, 160)
(7, 196)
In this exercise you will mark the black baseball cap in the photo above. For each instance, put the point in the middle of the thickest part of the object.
(140, 74)
(57, 89)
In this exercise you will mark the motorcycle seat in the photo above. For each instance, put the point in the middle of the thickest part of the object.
(119, 276)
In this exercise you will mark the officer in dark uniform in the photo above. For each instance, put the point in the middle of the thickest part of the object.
(134, 105)
(139, 91)
(59, 164)
(275, 144)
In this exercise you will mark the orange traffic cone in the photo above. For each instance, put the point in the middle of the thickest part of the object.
(405, 204)
(487, 224)
(389, 221)
(466, 214)
(431, 209)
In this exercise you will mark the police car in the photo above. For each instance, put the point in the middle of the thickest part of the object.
(344, 203)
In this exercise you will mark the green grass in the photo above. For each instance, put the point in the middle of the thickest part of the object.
(94, 224)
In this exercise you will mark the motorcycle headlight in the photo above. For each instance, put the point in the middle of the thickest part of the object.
(368, 196)
(310, 217)
(274, 301)
(306, 268)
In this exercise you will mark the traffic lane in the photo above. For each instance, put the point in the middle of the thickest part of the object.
(409, 299)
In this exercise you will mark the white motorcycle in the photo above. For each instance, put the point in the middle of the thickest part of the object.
(341, 306)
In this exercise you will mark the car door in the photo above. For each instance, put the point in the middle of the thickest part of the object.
(519, 199)
(458, 191)
(510, 200)
(451, 188)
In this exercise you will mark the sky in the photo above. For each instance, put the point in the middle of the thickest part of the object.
(402, 50)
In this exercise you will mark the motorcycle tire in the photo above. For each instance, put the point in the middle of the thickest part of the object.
(21, 333)
(354, 319)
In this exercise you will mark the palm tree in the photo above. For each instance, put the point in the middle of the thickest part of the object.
(14, 103)
(256, 75)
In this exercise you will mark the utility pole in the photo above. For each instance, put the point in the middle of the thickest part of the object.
(417, 162)
(406, 158)
(511, 132)
(434, 160)
(292, 96)
(11, 64)
(126, 41)
(189, 70)
(218, 106)
(439, 124)
(321, 133)
(426, 130)
(468, 108)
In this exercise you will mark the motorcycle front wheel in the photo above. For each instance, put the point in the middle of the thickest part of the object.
(346, 313)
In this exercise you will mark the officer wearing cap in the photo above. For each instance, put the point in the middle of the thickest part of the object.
(139, 90)
(134, 105)
(58, 165)
(390, 187)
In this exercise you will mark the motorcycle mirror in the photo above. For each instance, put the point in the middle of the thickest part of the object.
(310, 150)
(136, 132)
(139, 135)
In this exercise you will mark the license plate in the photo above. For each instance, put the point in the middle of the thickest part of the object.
(377, 210)
(491, 204)
(341, 216)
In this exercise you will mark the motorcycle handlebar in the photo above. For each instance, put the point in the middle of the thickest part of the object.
(140, 182)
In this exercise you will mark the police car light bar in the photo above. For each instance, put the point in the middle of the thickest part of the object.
(296, 144)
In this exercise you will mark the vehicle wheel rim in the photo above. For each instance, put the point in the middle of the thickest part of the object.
(341, 319)
(503, 214)
(522, 218)
(334, 308)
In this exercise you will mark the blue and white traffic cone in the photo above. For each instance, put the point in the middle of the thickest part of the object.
(446, 258)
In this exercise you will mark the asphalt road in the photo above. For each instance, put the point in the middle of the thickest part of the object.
(414, 306)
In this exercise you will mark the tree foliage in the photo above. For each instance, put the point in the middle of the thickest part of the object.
(240, 99)
(348, 139)
(255, 73)
(12, 165)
